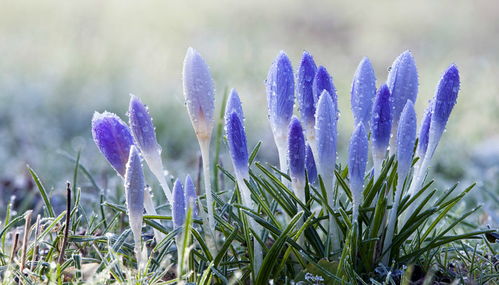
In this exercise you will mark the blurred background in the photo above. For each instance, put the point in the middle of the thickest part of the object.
(61, 61)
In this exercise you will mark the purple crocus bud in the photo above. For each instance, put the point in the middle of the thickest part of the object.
(236, 138)
(304, 91)
(310, 165)
(444, 100)
(357, 160)
(178, 208)
(142, 127)
(403, 83)
(190, 195)
(363, 92)
(134, 190)
(113, 138)
(326, 132)
(199, 93)
(424, 132)
(381, 126)
(406, 137)
(234, 104)
(296, 153)
(324, 81)
(280, 93)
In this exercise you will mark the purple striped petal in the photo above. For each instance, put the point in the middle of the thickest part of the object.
(234, 104)
(424, 131)
(310, 165)
(113, 138)
(357, 160)
(280, 92)
(406, 137)
(381, 123)
(363, 92)
(199, 93)
(296, 151)
(403, 83)
(444, 101)
(134, 189)
(326, 134)
(191, 195)
(142, 128)
(304, 90)
(236, 138)
(324, 81)
(178, 208)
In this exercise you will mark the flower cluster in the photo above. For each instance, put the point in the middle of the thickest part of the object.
(307, 146)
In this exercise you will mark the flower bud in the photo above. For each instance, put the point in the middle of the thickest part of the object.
(326, 134)
(424, 132)
(234, 104)
(113, 138)
(406, 137)
(304, 91)
(236, 138)
(310, 165)
(381, 123)
(403, 83)
(142, 127)
(296, 153)
(357, 160)
(363, 92)
(134, 190)
(190, 195)
(280, 93)
(199, 93)
(324, 81)
(178, 209)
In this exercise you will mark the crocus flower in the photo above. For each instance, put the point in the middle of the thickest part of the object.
(236, 138)
(200, 100)
(296, 156)
(326, 134)
(143, 132)
(178, 209)
(444, 100)
(324, 81)
(190, 195)
(234, 104)
(381, 126)
(305, 94)
(403, 83)
(310, 165)
(199, 93)
(134, 190)
(357, 160)
(406, 137)
(113, 138)
(424, 132)
(363, 92)
(280, 96)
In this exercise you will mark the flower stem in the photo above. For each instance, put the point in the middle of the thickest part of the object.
(392, 221)
(151, 210)
(205, 155)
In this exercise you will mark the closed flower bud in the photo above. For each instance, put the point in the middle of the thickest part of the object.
(304, 91)
(403, 83)
(444, 100)
(280, 93)
(142, 127)
(236, 138)
(406, 137)
(363, 92)
(199, 93)
(178, 208)
(190, 195)
(381, 123)
(234, 104)
(113, 138)
(326, 134)
(134, 190)
(424, 132)
(296, 153)
(324, 81)
(310, 165)
(357, 160)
